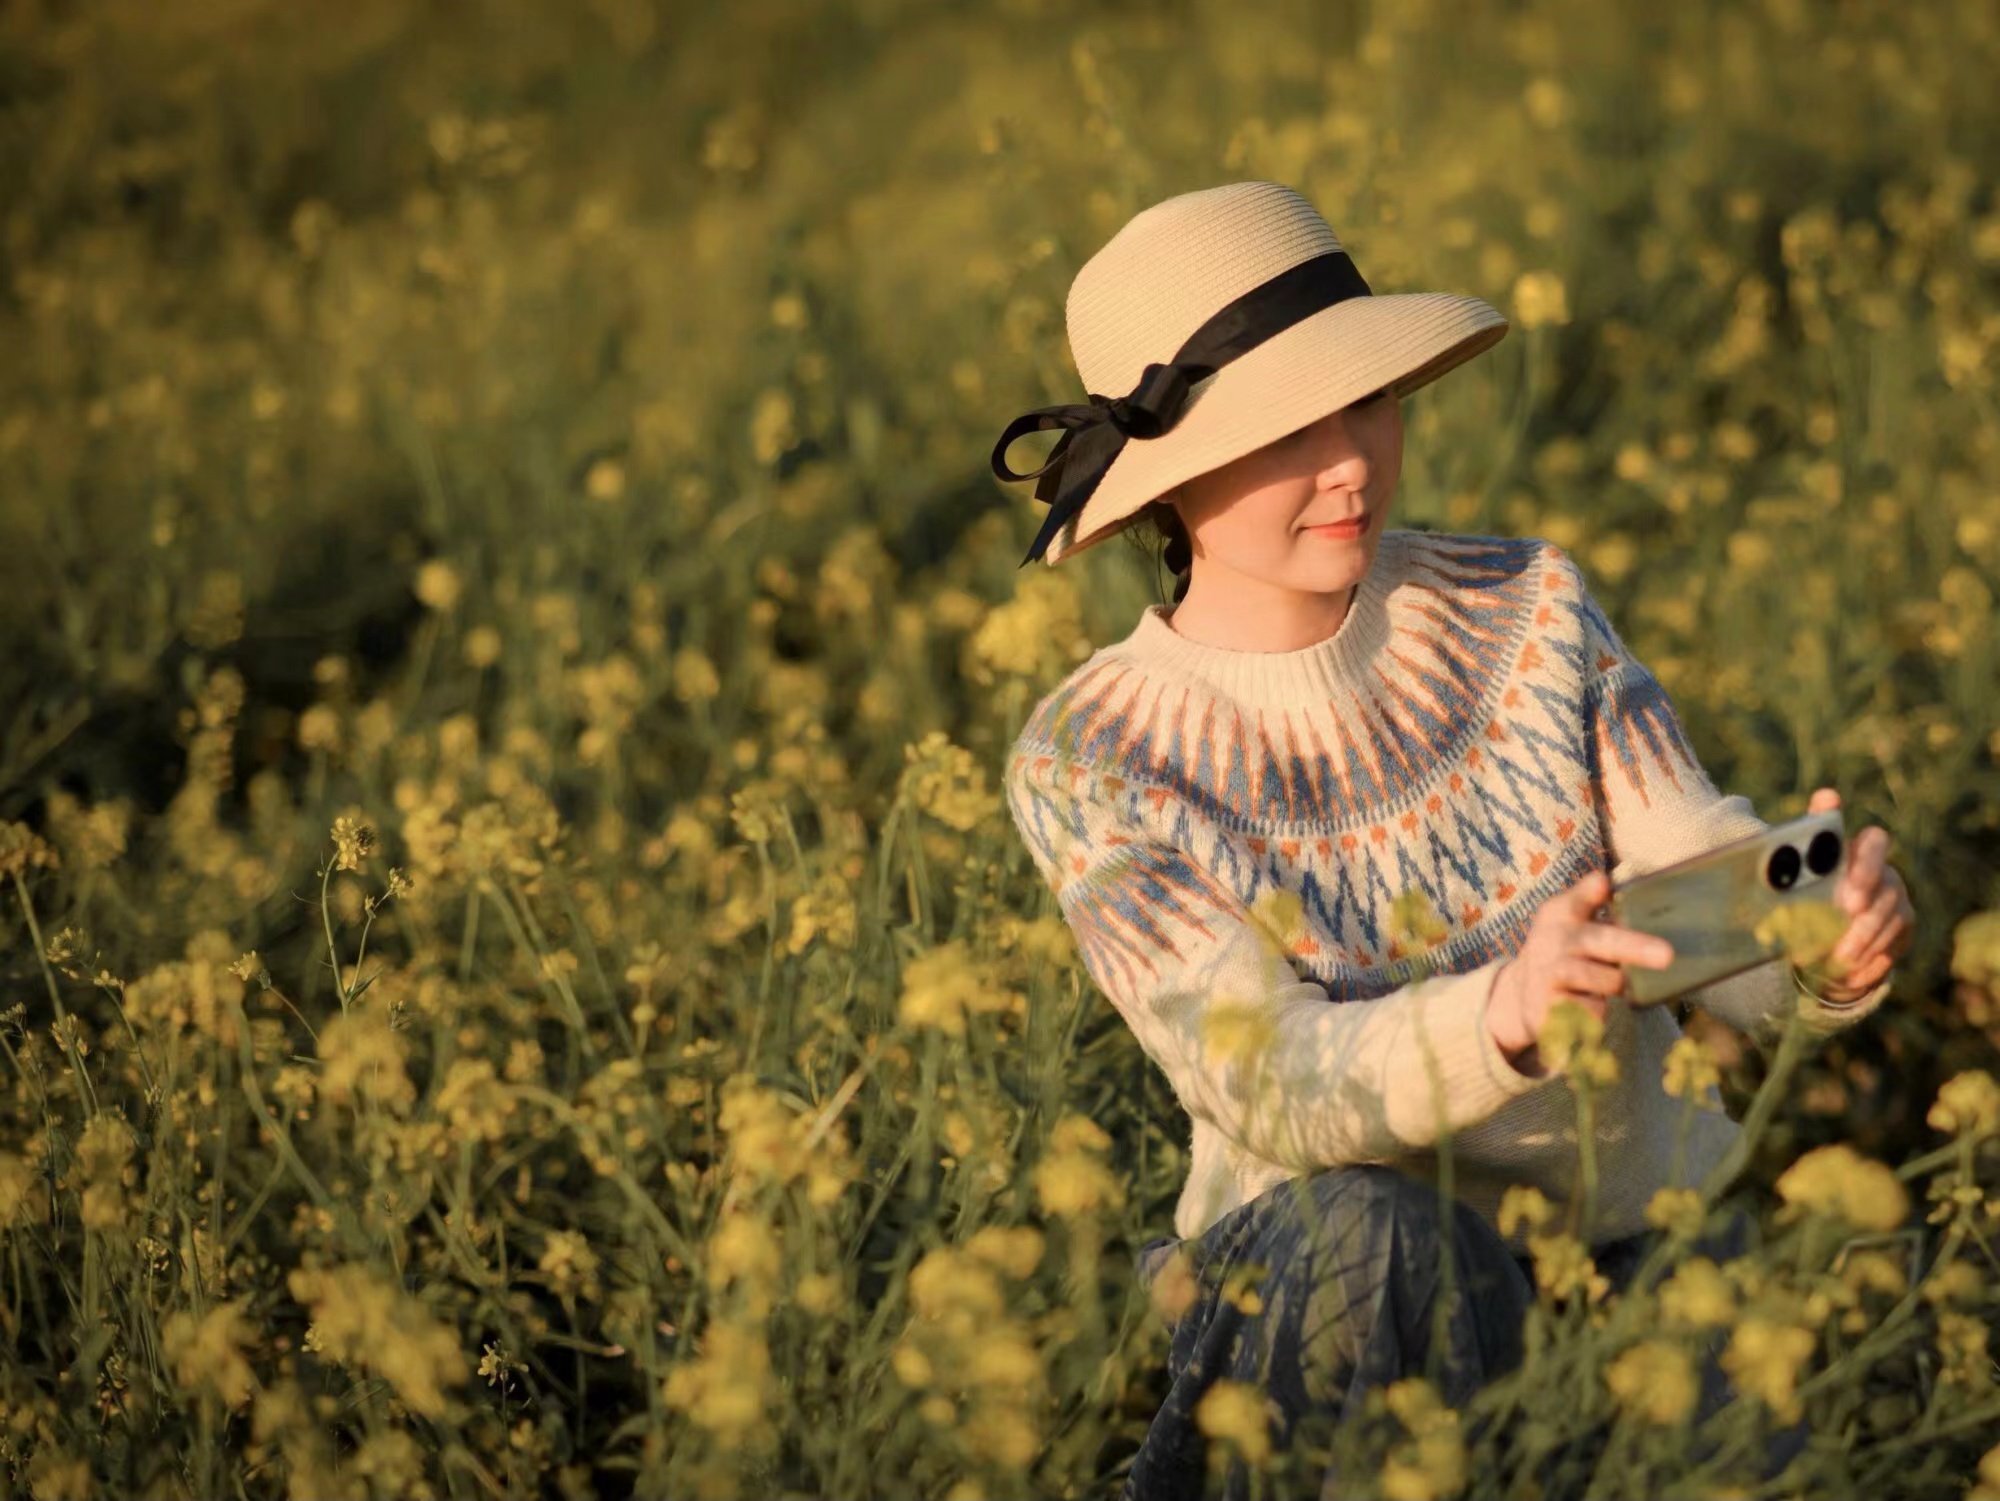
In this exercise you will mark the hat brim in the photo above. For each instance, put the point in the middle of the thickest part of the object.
(1319, 365)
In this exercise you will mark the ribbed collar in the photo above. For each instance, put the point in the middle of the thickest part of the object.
(1278, 679)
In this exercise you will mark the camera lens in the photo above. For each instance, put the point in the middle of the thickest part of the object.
(1823, 853)
(1783, 869)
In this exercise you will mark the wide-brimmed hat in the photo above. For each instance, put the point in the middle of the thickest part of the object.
(1230, 316)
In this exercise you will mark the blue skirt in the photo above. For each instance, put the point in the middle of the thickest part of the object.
(1346, 1266)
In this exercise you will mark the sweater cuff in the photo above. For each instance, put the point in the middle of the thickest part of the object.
(1832, 1016)
(1474, 1069)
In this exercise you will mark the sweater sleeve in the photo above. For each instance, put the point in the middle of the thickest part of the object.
(1262, 1054)
(1657, 806)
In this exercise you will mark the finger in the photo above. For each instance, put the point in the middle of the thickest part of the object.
(1584, 898)
(1864, 870)
(1583, 975)
(1868, 927)
(1616, 945)
(1823, 800)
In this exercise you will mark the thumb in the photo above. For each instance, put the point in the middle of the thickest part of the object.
(1824, 799)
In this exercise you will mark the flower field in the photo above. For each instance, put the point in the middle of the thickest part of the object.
(516, 975)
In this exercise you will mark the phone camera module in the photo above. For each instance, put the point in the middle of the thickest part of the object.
(1782, 870)
(1823, 853)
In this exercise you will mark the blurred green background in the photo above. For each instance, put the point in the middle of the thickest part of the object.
(554, 437)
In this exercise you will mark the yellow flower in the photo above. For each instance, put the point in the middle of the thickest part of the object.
(1075, 1183)
(1806, 931)
(1988, 1488)
(948, 1282)
(438, 585)
(728, 1386)
(1961, 1343)
(947, 782)
(1015, 1250)
(1521, 1205)
(1836, 1180)
(206, 1352)
(1975, 949)
(1572, 1042)
(1003, 1358)
(1764, 1359)
(1698, 1295)
(941, 985)
(1540, 299)
(1690, 1071)
(1414, 922)
(352, 839)
(1003, 1432)
(1432, 1464)
(363, 1321)
(1678, 1211)
(1563, 1267)
(1968, 1104)
(363, 1056)
(912, 1367)
(1236, 1412)
(1280, 917)
(1654, 1381)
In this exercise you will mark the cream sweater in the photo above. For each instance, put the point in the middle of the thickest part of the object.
(1475, 729)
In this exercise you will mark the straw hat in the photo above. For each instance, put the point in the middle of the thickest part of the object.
(1230, 317)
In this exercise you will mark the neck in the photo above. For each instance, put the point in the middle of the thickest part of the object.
(1240, 613)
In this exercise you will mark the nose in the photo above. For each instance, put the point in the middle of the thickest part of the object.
(1336, 446)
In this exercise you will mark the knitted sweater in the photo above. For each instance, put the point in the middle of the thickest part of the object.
(1475, 729)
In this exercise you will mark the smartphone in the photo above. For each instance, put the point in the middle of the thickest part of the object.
(1709, 906)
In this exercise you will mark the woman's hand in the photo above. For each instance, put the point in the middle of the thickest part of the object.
(1567, 956)
(1881, 923)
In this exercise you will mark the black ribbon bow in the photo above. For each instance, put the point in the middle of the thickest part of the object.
(1095, 432)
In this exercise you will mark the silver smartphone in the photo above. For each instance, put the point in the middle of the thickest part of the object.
(1709, 907)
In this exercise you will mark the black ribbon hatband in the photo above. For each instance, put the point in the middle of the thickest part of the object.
(1094, 432)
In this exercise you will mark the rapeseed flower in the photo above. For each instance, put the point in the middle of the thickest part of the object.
(365, 1322)
(1655, 1381)
(1836, 1180)
(1698, 1296)
(1239, 1414)
(1572, 1042)
(1968, 1104)
(206, 1352)
(1764, 1359)
(1690, 1071)
(1432, 1464)
(1678, 1211)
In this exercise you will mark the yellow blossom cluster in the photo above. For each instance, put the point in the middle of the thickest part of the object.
(1071, 1179)
(363, 1321)
(1654, 1380)
(200, 991)
(729, 1387)
(772, 1144)
(1837, 1180)
(980, 1368)
(948, 782)
(1572, 1044)
(945, 984)
(1564, 1266)
(206, 1352)
(1968, 1104)
(1431, 1464)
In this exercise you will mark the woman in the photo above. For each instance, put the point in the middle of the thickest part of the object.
(1332, 712)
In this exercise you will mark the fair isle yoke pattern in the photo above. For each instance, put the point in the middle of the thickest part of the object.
(1456, 764)
(1475, 730)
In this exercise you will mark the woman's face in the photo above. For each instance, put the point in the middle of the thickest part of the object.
(1251, 516)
